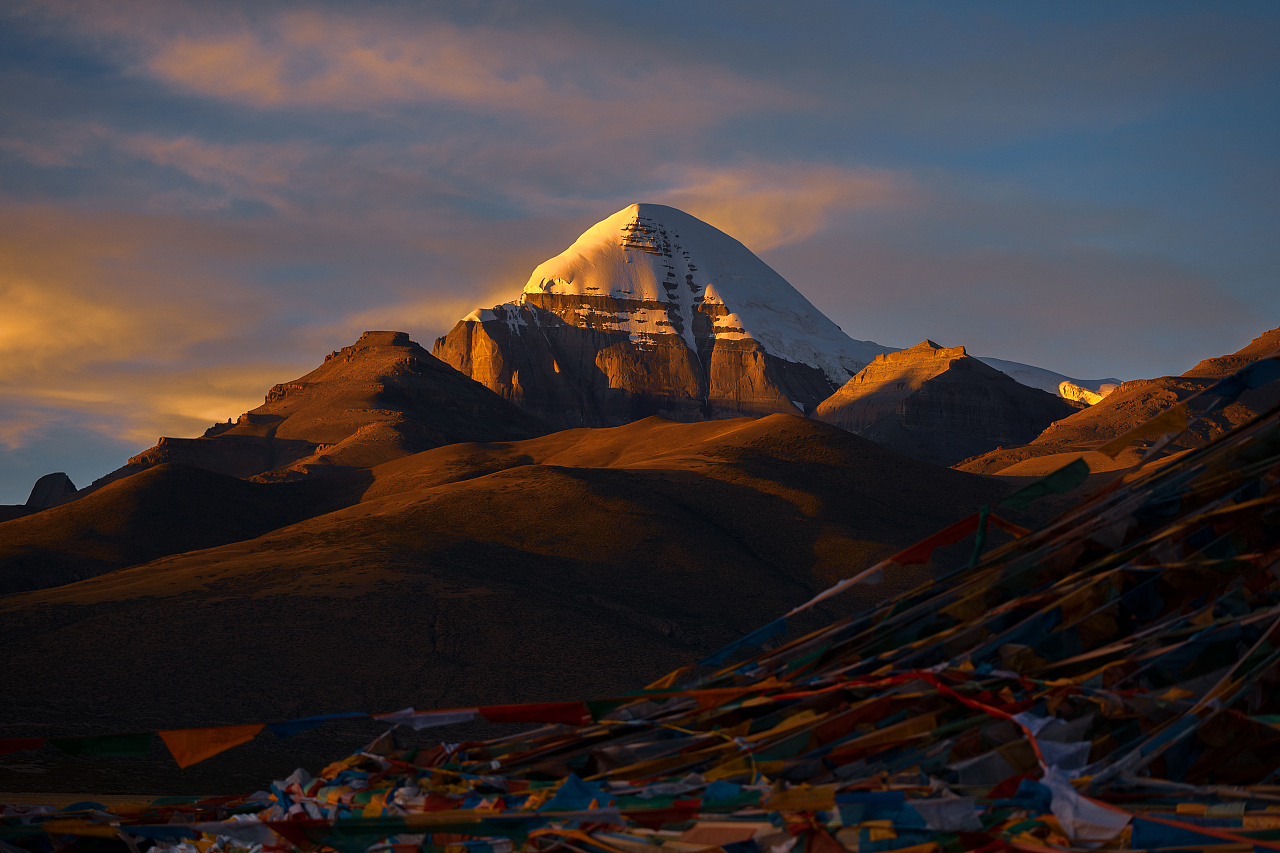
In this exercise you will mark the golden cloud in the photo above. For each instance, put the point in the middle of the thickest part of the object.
(767, 205)
(314, 58)
(95, 323)
(252, 168)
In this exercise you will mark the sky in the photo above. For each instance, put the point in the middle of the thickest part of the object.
(199, 200)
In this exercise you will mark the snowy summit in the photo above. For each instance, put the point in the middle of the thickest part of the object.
(677, 266)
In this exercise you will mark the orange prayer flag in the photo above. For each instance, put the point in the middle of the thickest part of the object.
(669, 679)
(191, 746)
(1173, 419)
(1016, 530)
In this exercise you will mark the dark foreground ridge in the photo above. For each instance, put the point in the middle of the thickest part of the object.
(1105, 682)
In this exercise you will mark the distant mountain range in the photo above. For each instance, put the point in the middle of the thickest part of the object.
(581, 563)
(394, 514)
(653, 311)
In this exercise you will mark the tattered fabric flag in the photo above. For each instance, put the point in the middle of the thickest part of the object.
(1063, 480)
(923, 550)
(16, 744)
(106, 746)
(576, 795)
(776, 628)
(306, 724)
(1254, 375)
(871, 576)
(247, 831)
(1017, 531)
(191, 746)
(80, 827)
(418, 720)
(669, 679)
(1173, 419)
(987, 518)
(570, 713)
(1083, 819)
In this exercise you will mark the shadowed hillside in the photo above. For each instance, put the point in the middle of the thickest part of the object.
(163, 510)
(577, 564)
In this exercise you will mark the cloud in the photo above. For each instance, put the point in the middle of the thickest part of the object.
(765, 205)
(368, 62)
(425, 318)
(64, 309)
(109, 315)
(249, 170)
(224, 192)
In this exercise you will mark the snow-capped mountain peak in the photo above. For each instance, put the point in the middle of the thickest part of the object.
(676, 275)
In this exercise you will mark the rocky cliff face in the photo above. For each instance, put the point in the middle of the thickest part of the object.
(940, 405)
(653, 311)
(379, 399)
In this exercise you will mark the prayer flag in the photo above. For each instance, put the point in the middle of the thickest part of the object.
(570, 713)
(1063, 480)
(1173, 419)
(107, 746)
(191, 746)
(15, 744)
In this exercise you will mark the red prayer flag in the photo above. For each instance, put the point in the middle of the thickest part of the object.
(14, 744)
(570, 713)
(923, 550)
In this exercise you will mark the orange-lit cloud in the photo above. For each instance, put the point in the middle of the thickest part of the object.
(136, 326)
(363, 62)
(259, 170)
(94, 322)
(766, 205)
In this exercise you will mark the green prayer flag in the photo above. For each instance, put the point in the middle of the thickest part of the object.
(107, 746)
(601, 708)
(1065, 479)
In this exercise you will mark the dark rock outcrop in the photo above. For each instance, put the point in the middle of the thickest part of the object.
(940, 405)
(652, 311)
(51, 490)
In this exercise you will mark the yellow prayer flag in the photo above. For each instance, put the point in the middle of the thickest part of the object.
(191, 746)
(804, 799)
(669, 679)
(76, 826)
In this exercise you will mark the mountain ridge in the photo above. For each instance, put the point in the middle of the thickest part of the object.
(1135, 401)
(939, 404)
(380, 398)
